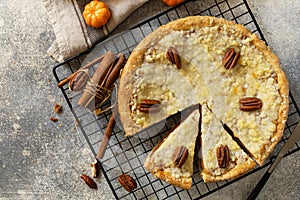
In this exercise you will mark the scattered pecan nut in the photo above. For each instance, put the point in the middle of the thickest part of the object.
(95, 168)
(53, 119)
(149, 106)
(223, 156)
(89, 181)
(180, 155)
(173, 56)
(79, 80)
(250, 104)
(57, 108)
(230, 58)
(127, 182)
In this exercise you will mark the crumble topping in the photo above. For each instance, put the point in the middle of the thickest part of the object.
(203, 79)
(161, 158)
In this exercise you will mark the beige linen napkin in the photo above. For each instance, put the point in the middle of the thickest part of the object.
(73, 36)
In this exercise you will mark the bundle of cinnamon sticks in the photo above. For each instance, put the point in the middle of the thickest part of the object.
(98, 88)
(106, 74)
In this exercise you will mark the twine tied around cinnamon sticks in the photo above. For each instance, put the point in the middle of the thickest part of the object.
(100, 93)
(99, 88)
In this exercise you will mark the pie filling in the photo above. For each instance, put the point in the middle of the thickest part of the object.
(213, 136)
(160, 158)
(203, 79)
(160, 85)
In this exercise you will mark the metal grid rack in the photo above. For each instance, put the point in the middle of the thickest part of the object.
(127, 154)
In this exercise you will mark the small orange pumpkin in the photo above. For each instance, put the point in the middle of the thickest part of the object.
(172, 2)
(96, 14)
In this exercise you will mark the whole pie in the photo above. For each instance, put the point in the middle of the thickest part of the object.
(225, 68)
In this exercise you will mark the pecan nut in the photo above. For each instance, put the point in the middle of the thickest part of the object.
(89, 181)
(149, 106)
(223, 156)
(127, 182)
(53, 119)
(173, 56)
(230, 58)
(78, 80)
(250, 104)
(95, 168)
(180, 155)
(57, 108)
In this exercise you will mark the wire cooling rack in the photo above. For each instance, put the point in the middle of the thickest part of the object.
(127, 154)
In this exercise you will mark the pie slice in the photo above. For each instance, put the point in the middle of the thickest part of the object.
(221, 158)
(172, 159)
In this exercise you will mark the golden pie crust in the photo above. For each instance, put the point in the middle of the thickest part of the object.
(137, 58)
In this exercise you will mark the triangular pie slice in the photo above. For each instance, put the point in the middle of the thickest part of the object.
(221, 158)
(164, 164)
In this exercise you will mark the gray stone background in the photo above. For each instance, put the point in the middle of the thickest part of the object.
(40, 159)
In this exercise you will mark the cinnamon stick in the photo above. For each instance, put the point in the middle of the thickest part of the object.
(106, 136)
(66, 80)
(113, 76)
(87, 98)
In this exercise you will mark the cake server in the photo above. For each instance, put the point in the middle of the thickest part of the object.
(289, 143)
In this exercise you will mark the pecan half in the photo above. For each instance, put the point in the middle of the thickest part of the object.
(223, 156)
(57, 108)
(95, 168)
(127, 182)
(149, 106)
(78, 80)
(250, 104)
(89, 181)
(173, 56)
(53, 119)
(180, 155)
(230, 58)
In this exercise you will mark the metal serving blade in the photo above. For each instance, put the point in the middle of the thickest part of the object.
(289, 143)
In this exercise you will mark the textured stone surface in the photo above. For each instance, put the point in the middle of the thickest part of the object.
(40, 159)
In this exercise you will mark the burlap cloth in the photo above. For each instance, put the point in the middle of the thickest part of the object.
(73, 36)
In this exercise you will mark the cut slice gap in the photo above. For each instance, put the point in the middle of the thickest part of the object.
(239, 142)
(233, 136)
(214, 138)
(160, 162)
